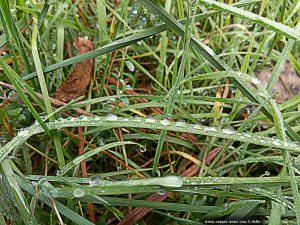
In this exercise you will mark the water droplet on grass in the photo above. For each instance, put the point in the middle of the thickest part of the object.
(161, 192)
(95, 181)
(23, 132)
(143, 149)
(150, 119)
(255, 80)
(111, 117)
(276, 143)
(165, 122)
(211, 129)
(78, 192)
(228, 130)
(180, 123)
(172, 181)
(267, 173)
(96, 118)
(197, 126)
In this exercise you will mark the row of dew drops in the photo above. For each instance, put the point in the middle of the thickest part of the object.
(97, 181)
(230, 132)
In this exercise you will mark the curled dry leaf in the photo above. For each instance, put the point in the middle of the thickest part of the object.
(76, 84)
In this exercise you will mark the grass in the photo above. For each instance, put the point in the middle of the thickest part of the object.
(175, 127)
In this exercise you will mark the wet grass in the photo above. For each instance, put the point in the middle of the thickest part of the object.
(175, 128)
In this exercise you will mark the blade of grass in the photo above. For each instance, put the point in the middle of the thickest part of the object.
(14, 32)
(265, 22)
(71, 215)
(7, 201)
(18, 195)
(90, 153)
(43, 14)
(171, 97)
(114, 121)
(9, 42)
(295, 63)
(280, 131)
(42, 82)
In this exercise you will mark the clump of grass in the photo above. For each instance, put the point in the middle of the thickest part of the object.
(175, 126)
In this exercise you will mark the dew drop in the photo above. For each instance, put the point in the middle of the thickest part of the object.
(78, 192)
(172, 181)
(81, 117)
(228, 131)
(23, 133)
(267, 173)
(285, 144)
(276, 143)
(161, 192)
(134, 12)
(247, 135)
(111, 117)
(197, 126)
(143, 149)
(150, 119)
(165, 122)
(211, 129)
(180, 123)
(255, 80)
(95, 181)
(96, 118)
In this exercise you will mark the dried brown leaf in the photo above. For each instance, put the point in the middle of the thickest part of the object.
(76, 84)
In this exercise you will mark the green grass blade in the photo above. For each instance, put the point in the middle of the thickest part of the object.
(14, 32)
(18, 195)
(280, 131)
(265, 22)
(90, 153)
(42, 82)
(114, 121)
(71, 215)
